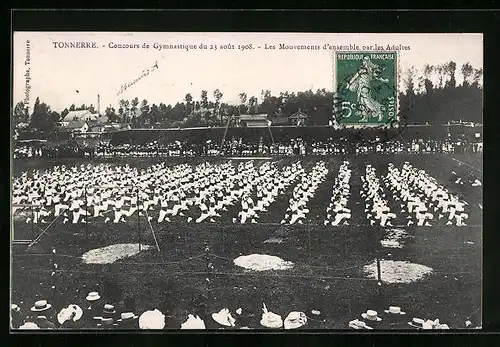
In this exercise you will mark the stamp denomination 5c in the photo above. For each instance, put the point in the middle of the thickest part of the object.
(366, 88)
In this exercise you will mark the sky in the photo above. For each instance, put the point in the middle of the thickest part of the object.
(57, 73)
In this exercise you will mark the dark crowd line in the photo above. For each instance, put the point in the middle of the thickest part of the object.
(237, 147)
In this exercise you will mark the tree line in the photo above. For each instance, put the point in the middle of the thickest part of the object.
(430, 95)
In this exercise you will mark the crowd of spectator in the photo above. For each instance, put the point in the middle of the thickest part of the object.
(237, 147)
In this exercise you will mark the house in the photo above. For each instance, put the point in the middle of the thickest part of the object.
(253, 120)
(76, 126)
(298, 118)
(85, 115)
(98, 125)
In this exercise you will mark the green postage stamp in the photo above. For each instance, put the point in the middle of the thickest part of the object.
(365, 88)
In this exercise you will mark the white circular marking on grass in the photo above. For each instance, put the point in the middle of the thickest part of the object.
(262, 262)
(110, 254)
(397, 271)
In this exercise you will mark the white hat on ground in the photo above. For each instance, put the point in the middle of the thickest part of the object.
(357, 324)
(295, 320)
(29, 326)
(270, 319)
(41, 305)
(394, 310)
(371, 315)
(152, 320)
(224, 317)
(193, 322)
(93, 296)
(71, 312)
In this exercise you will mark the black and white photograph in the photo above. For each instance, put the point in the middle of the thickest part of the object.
(246, 181)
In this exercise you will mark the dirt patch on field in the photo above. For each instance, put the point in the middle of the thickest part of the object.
(110, 254)
(397, 271)
(262, 262)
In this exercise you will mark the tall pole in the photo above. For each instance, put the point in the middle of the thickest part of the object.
(138, 230)
(86, 213)
(32, 223)
(98, 105)
(53, 276)
(224, 136)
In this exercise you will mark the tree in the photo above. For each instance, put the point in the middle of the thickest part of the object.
(165, 114)
(111, 115)
(134, 105)
(428, 85)
(92, 109)
(440, 69)
(124, 110)
(243, 101)
(20, 113)
(42, 117)
(266, 95)
(72, 107)
(55, 117)
(467, 72)
(218, 96)
(451, 68)
(144, 113)
(154, 114)
(252, 103)
(121, 112)
(477, 79)
(204, 99)
(64, 113)
(189, 99)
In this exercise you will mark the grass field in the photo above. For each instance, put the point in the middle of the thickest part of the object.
(328, 272)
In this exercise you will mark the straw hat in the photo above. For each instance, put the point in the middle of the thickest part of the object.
(357, 324)
(271, 320)
(417, 323)
(109, 309)
(295, 320)
(193, 323)
(29, 326)
(72, 312)
(371, 315)
(315, 315)
(223, 317)
(152, 320)
(127, 316)
(41, 305)
(394, 310)
(106, 322)
(93, 296)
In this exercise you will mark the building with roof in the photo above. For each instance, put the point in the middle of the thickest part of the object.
(80, 126)
(253, 120)
(298, 118)
(85, 115)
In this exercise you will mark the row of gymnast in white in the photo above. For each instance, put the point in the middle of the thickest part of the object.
(115, 193)
(303, 192)
(424, 200)
(337, 212)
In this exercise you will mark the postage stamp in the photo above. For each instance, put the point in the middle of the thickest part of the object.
(366, 88)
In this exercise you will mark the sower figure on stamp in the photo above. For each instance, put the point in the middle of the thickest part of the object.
(361, 83)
